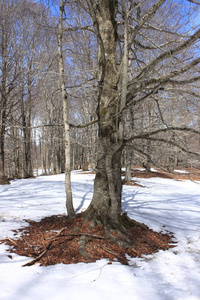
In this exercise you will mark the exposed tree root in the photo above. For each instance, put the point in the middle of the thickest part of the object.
(54, 240)
(82, 246)
(116, 239)
(121, 259)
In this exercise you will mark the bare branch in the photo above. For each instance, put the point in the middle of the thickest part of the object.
(194, 1)
(147, 135)
(54, 125)
(145, 18)
(168, 54)
(72, 29)
(83, 125)
(173, 144)
(150, 13)
(161, 81)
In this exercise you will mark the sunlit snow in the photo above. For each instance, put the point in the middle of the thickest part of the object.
(162, 204)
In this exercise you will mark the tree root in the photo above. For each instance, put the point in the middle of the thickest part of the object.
(115, 239)
(81, 249)
(121, 259)
(84, 238)
(123, 237)
(127, 223)
(76, 242)
(117, 232)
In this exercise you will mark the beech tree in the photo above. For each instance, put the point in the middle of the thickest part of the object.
(125, 35)
(69, 201)
(140, 88)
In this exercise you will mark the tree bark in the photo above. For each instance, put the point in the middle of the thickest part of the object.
(3, 103)
(69, 200)
(26, 123)
(106, 202)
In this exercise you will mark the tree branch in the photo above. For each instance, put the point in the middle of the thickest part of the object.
(161, 130)
(83, 125)
(54, 125)
(171, 143)
(72, 29)
(168, 54)
(194, 1)
(162, 81)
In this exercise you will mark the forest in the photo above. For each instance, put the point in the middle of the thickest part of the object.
(156, 72)
(93, 93)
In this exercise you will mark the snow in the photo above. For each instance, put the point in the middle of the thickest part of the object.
(162, 204)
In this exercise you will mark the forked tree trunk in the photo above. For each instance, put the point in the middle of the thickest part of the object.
(106, 202)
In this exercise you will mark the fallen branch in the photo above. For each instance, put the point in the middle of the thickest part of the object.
(12, 241)
(82, 244)
(33, 261)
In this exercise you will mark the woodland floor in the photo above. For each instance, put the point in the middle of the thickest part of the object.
(54, 240)
(58, 242)
(189, 174)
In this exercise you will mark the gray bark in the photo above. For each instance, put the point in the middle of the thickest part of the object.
(106, 202)
(69, 200)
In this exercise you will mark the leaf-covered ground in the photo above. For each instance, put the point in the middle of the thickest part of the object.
(53, 240)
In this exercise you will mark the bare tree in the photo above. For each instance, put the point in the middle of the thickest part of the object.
(167, 64)
(8, 73)
(69, 201)
(143, 78)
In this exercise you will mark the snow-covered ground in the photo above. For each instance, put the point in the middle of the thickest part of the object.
(163, 204)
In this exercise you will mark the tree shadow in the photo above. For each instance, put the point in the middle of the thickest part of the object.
(82, 194)
(174, 211)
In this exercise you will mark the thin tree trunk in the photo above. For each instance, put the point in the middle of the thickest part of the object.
(69, 200)
(3, 103)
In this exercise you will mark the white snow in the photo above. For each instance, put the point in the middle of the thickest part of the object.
(163, 204)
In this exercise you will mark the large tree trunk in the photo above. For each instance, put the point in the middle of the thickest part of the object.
(106, 202)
